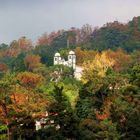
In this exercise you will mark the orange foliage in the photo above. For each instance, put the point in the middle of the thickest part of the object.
(3, 53)
(18, 46)
(106, 109)
(32, 61)
(22, 104)
(47, 39)
(100, 116)
(84, 55)
(18, 98)
(14, 49)
(2, 116)
(25, 44)
(121, 59)
(29, 79)
(43, 40)
(3, 67)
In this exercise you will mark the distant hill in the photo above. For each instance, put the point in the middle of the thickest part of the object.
(112, 35)
(115, 34)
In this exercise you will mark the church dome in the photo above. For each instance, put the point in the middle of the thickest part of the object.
(57, 54)
(71, 53)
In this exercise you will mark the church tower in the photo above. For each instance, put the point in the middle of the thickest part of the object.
(72, 59)
(57, 59)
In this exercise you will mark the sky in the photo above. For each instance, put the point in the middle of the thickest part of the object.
(31, 18)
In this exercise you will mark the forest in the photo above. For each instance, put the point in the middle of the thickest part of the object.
(103, 105)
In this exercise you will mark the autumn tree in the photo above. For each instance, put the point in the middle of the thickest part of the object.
(43, 40)
(21, 45)
(3, 67)
(16, 107)
(14, 49)
(47, 39)
(84, 34)
(5, 101)
(30, 82)
(25, 44)
(32, 61)
(29, 103)
(84, 55)
(121, 59)
(97, 67)
(29, 79)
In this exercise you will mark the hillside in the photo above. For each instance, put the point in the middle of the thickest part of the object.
(112, 36)
(43, 101)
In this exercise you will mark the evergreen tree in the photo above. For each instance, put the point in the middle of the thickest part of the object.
(60, 111)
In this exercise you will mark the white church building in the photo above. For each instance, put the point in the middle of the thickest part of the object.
(71, 62)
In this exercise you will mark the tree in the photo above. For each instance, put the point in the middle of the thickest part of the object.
(135, 75)
(18, 46)
(14, 49)
(43, 40)
(31, 62)
(47, 39)
(122, 60)
(108, 131)
(5, 101)
(84, 56)
(135, 57)
(88, 129)
(84, 34)
(29, 79)
(17, 64)
(17, 111)
(98, 67)
(85, 104)
(3, 67)
(25, 44)
(64, 118)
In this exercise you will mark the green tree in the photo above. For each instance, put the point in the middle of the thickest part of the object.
(64, 118)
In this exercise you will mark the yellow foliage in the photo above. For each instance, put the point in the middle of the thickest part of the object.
(97, 67)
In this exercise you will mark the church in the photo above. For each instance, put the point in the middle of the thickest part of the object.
(71, 62)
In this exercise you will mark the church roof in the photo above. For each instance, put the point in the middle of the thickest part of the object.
(57, 54)
(71, 52)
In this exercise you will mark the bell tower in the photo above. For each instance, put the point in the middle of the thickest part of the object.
(72, 59)
(57, 59)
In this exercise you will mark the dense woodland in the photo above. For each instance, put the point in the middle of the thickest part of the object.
(104, 104)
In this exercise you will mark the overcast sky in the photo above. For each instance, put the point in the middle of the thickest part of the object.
(31, 18)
